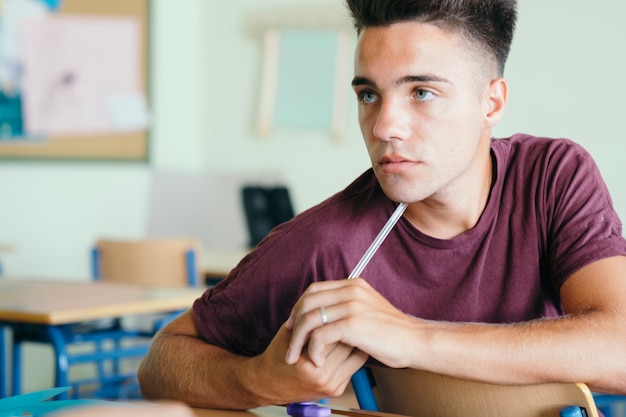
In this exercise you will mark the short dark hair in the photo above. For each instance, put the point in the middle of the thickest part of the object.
(488, 23)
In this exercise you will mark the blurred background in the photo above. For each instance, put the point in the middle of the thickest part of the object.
(208, 73)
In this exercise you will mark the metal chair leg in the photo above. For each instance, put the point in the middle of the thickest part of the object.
(16, 370)
(59, 344)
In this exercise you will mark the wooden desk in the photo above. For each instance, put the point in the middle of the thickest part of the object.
(119, 410)
(51, 304)
(278, 411)
(54, 302)
(271, 411)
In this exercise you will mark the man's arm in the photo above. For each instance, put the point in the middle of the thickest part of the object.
(182, 366)
(586, 345)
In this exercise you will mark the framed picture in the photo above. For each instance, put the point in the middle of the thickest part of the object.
(305, 75)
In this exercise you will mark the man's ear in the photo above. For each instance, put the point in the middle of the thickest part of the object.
(495, 100)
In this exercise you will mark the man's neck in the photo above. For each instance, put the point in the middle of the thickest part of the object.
(456, 209)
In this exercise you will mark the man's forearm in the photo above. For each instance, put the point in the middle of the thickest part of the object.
(185, 368)
(562, 349)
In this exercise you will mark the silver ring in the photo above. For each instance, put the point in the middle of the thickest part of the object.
(323, 315)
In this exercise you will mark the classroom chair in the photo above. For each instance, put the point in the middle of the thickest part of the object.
(425, 394)
(108, 344)
(172, 261)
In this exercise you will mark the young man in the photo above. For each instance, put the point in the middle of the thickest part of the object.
(508, 265)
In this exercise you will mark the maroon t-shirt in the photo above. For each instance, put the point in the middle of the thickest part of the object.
(549, 213)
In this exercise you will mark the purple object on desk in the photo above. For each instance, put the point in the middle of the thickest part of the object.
(307, 409)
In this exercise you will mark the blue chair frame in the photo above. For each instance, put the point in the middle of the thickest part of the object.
(363, 390)
(112, 385)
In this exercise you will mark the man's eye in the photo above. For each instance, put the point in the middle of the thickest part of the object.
(424, 95)
(367, 97)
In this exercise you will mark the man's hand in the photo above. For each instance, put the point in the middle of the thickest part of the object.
(302, 379)
(358, 316)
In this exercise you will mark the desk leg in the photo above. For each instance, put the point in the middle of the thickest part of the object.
(61, 363)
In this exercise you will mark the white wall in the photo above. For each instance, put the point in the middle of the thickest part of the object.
(566, 74)
(567, 78)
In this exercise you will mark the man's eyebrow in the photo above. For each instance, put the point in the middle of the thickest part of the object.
(362, 81)
(404, 80)
(423, 79)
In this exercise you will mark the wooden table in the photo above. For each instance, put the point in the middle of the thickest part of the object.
(278, 411)
(54, 303)
(119, 410)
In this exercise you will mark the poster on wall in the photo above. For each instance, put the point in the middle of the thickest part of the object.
(67, 74)
(81, 75)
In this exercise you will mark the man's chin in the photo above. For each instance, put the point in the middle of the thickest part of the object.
(400, 187)
(404, 194)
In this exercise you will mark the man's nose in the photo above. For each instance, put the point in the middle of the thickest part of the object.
(393, 121)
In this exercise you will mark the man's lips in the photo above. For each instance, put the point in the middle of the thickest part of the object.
(393, 159)
(395, 163)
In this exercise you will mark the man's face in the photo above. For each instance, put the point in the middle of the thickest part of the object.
(421, 109)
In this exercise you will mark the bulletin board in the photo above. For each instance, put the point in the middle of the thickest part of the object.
(114, 144)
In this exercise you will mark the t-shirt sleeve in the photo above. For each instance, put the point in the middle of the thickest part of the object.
(582, 225)
(243, 312)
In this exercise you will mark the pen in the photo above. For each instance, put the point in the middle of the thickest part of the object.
(393, 219)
